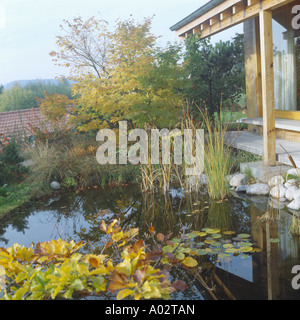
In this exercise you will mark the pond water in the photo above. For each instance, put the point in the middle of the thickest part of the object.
(78, 215)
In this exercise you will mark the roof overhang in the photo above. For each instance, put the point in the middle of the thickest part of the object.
(218, 15)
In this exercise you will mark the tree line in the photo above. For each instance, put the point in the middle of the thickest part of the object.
(26, 97)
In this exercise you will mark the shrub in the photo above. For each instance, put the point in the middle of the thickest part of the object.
(10, 158)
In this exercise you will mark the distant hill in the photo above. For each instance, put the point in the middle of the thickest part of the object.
(23, 83)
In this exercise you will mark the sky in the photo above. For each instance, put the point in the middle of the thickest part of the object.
(28, 29)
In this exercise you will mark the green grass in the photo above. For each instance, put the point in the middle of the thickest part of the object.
(13, 198)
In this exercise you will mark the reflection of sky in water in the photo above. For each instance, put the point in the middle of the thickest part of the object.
(79, 217)
(44, 225)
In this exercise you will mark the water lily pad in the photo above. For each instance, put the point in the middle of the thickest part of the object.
(231, 250)
(228, 232)
(216, 244)
(213, 231)
(276, 240)
(216, 236)
(202, 252)
(192, 235)
(236, 239)
(200, 234)
(223, 255)
(246, 249)
(244, 236)
(246, 244)
(227, 245)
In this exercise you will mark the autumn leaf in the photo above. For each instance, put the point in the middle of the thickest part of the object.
(160, 237)
(179, 285)
(190, 262)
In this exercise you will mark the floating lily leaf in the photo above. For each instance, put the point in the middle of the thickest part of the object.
(202, 252)
(200, 244)
(205, 229)
(209, 241)
(216, 244)
(213, 231)
(228, 232)
(216, 250)
(244, 236)
(246, 249)
(223, 255)
(192, 235)
(275, 240)
(245, 244)
(256, 250)
(236, 239)
(216, 236)
(231, 250)
(227, 245)
(201, 234)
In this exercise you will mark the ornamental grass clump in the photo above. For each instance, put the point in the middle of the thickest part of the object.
(217, 159)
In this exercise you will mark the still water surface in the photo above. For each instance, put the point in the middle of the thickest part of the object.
(264, 275)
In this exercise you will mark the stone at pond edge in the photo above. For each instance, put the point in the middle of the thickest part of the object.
(276, 181)
(278, 191)
(55, 185)
(238, 180)
(289, 194)
(242, 188)
(295, 205)
(296, 194)
(294, 172)
(291, 182)
(258, 189)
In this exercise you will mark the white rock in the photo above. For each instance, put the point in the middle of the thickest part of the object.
(278, 191)
(55, 185)
(238, 180)
(258, 189)
(296, 194)
(289, 194)
(242, 188)
(291, 182)
(294, 172)
(276, 181)
(295, 205)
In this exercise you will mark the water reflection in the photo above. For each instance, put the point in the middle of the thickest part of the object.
(265, 275)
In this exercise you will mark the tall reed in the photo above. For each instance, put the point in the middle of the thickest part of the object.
(217, 160)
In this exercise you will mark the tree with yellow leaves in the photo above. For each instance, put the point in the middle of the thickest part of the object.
(121, 74)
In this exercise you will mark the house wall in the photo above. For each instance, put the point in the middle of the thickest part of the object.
(253, 82)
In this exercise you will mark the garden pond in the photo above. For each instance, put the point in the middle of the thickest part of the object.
(261, 275)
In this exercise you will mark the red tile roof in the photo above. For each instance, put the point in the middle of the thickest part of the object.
(17, 123)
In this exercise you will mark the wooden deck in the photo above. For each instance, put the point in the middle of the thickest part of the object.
(254, 143)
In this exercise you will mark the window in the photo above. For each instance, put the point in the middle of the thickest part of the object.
(286, 50)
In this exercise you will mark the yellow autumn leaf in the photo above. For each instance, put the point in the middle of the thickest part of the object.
(190, 262)
(200, 234)
(246, 249)
(124, 293)
(212, 231)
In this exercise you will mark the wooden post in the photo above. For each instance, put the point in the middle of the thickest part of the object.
(267, 77)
